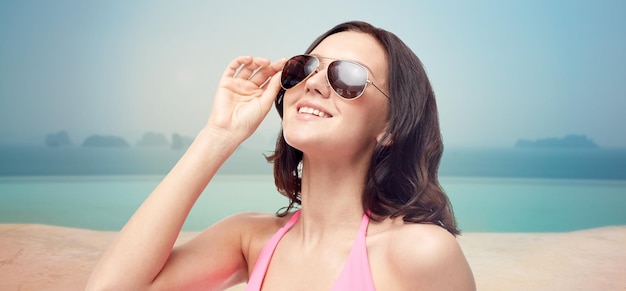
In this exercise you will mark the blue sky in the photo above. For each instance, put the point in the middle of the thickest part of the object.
(501, 70)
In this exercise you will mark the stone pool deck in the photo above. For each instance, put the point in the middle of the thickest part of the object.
(43, 257)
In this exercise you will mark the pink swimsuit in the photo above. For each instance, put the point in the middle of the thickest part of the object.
(354, 276)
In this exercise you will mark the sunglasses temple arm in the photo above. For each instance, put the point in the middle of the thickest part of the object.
(381, 91)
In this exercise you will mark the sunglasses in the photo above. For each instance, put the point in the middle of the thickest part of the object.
(347, 78)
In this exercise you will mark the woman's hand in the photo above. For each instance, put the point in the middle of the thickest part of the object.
(244, 96)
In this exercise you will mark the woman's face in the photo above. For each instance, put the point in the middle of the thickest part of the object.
(346, 127)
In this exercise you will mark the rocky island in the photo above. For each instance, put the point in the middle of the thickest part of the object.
(180, 142)
(152, 139)
(105, 141)
(58, 139)
(572, 141)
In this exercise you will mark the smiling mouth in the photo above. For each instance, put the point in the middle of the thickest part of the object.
(313, 111)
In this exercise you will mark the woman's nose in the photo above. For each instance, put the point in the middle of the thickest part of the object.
(317, 83)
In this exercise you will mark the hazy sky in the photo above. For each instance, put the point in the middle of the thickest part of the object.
(501, 70)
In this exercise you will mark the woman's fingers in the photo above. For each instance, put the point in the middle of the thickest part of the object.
(255, 70)
(261, 75)
(234, 65)
(245, 94)
(271, 75)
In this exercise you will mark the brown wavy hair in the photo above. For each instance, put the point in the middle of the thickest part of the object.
(402, 178)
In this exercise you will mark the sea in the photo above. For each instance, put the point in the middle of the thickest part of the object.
(491, 189)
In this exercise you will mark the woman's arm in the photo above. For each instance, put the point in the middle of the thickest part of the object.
(141, 257)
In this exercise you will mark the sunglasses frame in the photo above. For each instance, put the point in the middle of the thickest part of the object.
(367, 79)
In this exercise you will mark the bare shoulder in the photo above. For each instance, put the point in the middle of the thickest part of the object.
(256, 223)
(423, 255)
(253, 230)
(221, 255)
(247, 221)
(246, 227)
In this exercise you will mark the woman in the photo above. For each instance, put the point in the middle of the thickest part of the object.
(359, 152)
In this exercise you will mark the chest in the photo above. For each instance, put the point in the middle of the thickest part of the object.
(315, 269)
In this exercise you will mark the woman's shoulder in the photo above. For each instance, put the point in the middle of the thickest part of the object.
(255, 218)
(426, 237)
(254, 228)
(423, 254)
(414, 239)
(254, 223)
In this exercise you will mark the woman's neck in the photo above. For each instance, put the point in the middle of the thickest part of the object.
(332, 196)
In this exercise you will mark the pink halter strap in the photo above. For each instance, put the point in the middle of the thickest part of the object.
(355, 275)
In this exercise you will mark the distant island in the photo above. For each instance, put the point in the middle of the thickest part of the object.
(180, 142)
(105, 141)
(148, 140)
(151, 139)
(572, 141)
(58, 139)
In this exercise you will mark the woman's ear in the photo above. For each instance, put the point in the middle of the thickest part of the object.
(385, 138)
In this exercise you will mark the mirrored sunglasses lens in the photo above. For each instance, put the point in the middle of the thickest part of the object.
(347, 79)
(296, 70)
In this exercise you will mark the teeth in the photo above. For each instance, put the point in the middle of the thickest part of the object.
(313, 111)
